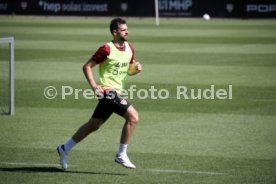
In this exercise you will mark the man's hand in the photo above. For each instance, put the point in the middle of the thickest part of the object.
(98, 91)
(134, 68)
(138, 66)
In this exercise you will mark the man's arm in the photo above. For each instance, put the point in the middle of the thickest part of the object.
(87, 70)
(134, 68)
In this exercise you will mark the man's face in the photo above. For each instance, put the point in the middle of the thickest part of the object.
(122, 32)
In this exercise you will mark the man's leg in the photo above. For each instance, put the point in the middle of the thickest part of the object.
(92, 125)
(131, 116)
(100, 115)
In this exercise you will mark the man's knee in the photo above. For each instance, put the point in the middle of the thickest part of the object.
(133, 117)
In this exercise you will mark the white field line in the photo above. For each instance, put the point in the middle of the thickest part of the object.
(31, 164)
(51, 58)
(190, 98)
(183, 171)
(147, 170)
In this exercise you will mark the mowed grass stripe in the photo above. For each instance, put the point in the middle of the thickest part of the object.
(90, 36)
(249, 100)
(107, 171)
(211, 59)
(185, 58)
(152, 47)
(177, 73)
(154, 32)
(218, 24)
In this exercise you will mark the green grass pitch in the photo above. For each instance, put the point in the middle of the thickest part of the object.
(177, 141)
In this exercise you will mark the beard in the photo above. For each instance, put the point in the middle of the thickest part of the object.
(123, 38)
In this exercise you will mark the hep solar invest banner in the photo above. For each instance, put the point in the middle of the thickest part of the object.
(58, 7)
(142, 8)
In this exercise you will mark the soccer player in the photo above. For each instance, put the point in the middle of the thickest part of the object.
(116, 61)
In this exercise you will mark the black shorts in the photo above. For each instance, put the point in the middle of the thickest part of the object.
(111, 102)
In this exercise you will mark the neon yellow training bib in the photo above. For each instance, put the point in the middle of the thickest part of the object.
(113, 71)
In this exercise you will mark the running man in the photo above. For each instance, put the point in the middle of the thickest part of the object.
(116, 61)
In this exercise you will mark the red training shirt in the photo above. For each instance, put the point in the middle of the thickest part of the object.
(104, 51)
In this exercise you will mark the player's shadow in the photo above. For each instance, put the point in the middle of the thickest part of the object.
(53, 170)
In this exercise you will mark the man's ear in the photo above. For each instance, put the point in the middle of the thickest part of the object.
(114, 32)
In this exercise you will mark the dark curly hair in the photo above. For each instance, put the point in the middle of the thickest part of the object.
(114, 24)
